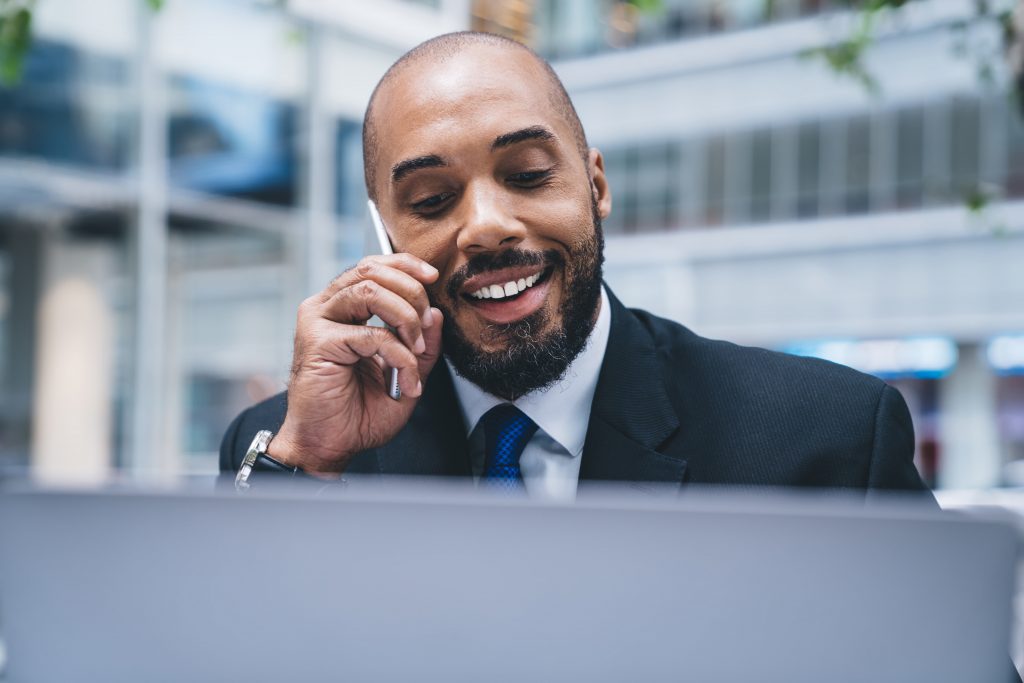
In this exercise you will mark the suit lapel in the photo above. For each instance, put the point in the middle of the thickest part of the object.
(434, 440)
(631, 415)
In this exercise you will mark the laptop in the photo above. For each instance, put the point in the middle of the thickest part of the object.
(437, 583)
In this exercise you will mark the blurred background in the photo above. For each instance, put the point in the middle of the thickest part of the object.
(830, 178)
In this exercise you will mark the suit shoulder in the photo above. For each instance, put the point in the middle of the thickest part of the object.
(755, 372)
(767, 418)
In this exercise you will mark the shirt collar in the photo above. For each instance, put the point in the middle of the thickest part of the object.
(562, 410)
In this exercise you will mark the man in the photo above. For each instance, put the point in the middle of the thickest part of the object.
(494, 201)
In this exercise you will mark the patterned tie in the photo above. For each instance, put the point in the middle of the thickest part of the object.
(506, 431)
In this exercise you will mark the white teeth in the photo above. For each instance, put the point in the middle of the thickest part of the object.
(510, 288)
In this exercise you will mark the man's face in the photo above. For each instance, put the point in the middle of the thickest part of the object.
(479, 174)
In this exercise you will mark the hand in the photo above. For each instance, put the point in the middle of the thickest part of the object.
(337, 397)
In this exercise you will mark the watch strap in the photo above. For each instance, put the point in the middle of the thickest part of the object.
(257, 460)
(265, 463)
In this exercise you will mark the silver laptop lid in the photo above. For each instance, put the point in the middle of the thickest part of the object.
(426, 584)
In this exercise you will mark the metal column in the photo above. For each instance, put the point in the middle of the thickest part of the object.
(146, 455)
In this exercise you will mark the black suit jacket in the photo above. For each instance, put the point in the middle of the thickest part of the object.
(673, 407)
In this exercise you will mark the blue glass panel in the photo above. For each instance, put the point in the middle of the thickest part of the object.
(70, 107)
(223, 140)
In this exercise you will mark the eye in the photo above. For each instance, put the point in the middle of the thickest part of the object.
(529, 178)
(431, 204)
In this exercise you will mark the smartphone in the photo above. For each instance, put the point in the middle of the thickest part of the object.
(384, 242)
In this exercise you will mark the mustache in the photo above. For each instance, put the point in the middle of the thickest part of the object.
(510, 258)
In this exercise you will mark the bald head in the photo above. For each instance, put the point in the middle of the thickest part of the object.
(434, 54)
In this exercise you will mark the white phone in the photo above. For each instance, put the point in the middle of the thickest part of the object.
(394, 391)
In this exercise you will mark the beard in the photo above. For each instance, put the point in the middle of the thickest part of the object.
(536, 351)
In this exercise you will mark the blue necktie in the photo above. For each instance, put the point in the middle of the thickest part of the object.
(506, 432)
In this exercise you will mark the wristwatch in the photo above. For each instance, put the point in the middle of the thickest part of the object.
(257, 460)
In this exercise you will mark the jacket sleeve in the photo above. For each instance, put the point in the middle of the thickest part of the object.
(892, 454)
(230, 459)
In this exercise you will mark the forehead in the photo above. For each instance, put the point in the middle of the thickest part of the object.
(437, 104)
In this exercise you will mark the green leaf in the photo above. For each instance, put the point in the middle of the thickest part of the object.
(648, 6)
(977, 200)
(15, 41)
(155, 5)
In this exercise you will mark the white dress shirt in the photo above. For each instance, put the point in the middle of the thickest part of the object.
(550, 463)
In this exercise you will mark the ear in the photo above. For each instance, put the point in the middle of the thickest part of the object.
(599, 182)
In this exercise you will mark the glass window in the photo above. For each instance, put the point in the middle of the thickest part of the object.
(737, 177)
(965, 138)
(70, 107)
(1014, 183)
(714, 186)
(937, 150)
(909, 157)
(656, 198)
(858, 164)
(351, 191)
(227, 141)
(808, 169)
(833, 168)
(784, 172)
(761, 182)
(567, 28)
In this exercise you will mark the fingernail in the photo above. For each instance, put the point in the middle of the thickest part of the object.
(419, 387)
(429, 269)
(428, 318)
(420, 346)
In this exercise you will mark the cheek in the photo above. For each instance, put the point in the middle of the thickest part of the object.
(433, 247)
(564, 218)
(438, 250)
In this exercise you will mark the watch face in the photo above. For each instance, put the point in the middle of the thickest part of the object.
(257, 449)
(242, 478)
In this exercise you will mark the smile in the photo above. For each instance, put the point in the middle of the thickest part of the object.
(507, 289)
(510, 294)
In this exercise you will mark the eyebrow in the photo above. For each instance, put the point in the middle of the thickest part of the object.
(404, 168)
(531, 133)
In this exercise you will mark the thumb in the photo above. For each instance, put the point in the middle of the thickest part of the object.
(432, 339)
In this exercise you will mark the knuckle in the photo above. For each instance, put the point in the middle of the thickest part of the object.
(366, 289)
(409, 322)
(371, 333)
(365, 268)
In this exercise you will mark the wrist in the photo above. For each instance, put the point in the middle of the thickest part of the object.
(287, 451)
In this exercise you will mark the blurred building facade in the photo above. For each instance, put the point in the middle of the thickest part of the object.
(172, 185)
(762, 198)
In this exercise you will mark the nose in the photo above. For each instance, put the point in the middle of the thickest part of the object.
(488, 225)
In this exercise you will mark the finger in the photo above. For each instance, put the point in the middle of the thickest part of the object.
(363, 300)
(367, 342)
(432, 339)
(401, 283)
(413, 266)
